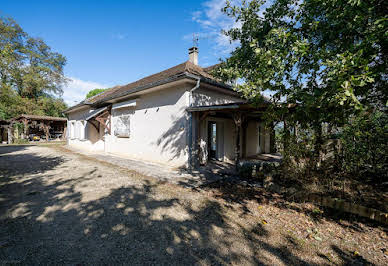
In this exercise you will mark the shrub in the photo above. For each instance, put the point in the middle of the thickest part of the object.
(364, 146)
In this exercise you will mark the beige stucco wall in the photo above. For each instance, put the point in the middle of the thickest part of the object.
(205, 96)
(94, 140)
(158, 126)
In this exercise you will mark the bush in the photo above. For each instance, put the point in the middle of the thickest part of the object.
(364, 146)
(20, 141)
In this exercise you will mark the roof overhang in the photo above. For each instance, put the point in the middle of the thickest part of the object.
(77, 107)
(38, 117)
(125, 104)
(95, 113)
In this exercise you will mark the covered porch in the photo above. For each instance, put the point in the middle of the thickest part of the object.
(230, 133)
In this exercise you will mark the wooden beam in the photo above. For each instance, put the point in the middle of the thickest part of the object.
(104, 118)
(203, 116)
(237, 122)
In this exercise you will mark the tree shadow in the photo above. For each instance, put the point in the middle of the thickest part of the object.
(242, 195)
(48, 219)
(346, 257)
(173, 140)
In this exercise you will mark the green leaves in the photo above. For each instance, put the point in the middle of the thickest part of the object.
(94, 92)
(30, 74)
(302, 50)
(27, 64)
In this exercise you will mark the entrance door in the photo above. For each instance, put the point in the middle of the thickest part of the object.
(212, 140)
(215, 140)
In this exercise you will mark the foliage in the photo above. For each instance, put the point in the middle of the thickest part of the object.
(31, 75)
(94, 93)
(20, 141)
(325, 55)
(27, 64)
(12, 104)
(365, 147)
(323, 63)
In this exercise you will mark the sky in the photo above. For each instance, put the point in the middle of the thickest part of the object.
(109, 43)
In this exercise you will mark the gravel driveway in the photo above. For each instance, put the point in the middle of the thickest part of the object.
(58, 207)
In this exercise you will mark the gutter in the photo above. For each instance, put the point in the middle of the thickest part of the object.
(190, 131)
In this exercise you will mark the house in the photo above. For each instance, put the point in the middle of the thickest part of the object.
(179, 117)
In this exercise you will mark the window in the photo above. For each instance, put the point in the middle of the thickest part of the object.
(121, 114)
(122, 126)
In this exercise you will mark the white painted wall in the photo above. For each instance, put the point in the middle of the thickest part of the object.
(204, 96)
(92, 140)
(158, 126)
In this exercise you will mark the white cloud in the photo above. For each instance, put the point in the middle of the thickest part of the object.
(212, 20)
(75, 90)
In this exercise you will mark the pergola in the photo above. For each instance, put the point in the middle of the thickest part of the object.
(40, 123)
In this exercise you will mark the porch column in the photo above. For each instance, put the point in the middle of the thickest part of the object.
(244, 126)
(237, 121)
(195, 137)
(26, 129)
(64, 135)
(9, 132)
(46, 128)
(272, 140)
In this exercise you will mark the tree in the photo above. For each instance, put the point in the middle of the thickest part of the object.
(31, 75)
(325, 55)
(94, 92)
(27, 64)
(326, 58)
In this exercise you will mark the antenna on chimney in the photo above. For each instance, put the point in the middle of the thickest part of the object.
(195, 39)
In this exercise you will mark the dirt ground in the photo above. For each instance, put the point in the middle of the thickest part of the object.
(58, 207)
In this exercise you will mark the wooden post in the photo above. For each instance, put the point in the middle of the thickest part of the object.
(237, 121)
(272, 140)
(244, 126)
(25, 124)
(10, 137)
(46, 129)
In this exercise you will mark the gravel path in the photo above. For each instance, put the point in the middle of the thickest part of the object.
(194, 179)
(57, 207)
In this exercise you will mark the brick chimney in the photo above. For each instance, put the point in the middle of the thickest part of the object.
(193, 55)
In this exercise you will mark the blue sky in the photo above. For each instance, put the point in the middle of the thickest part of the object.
(109, 43)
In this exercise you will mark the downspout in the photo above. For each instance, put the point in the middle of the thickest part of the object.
(191, 123)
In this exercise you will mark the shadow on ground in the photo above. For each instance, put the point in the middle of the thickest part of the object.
(46, 220)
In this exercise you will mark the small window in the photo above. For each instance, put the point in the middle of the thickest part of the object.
(122, 126)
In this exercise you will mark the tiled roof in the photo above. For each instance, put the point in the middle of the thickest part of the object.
(41, 117)
(184, 68)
